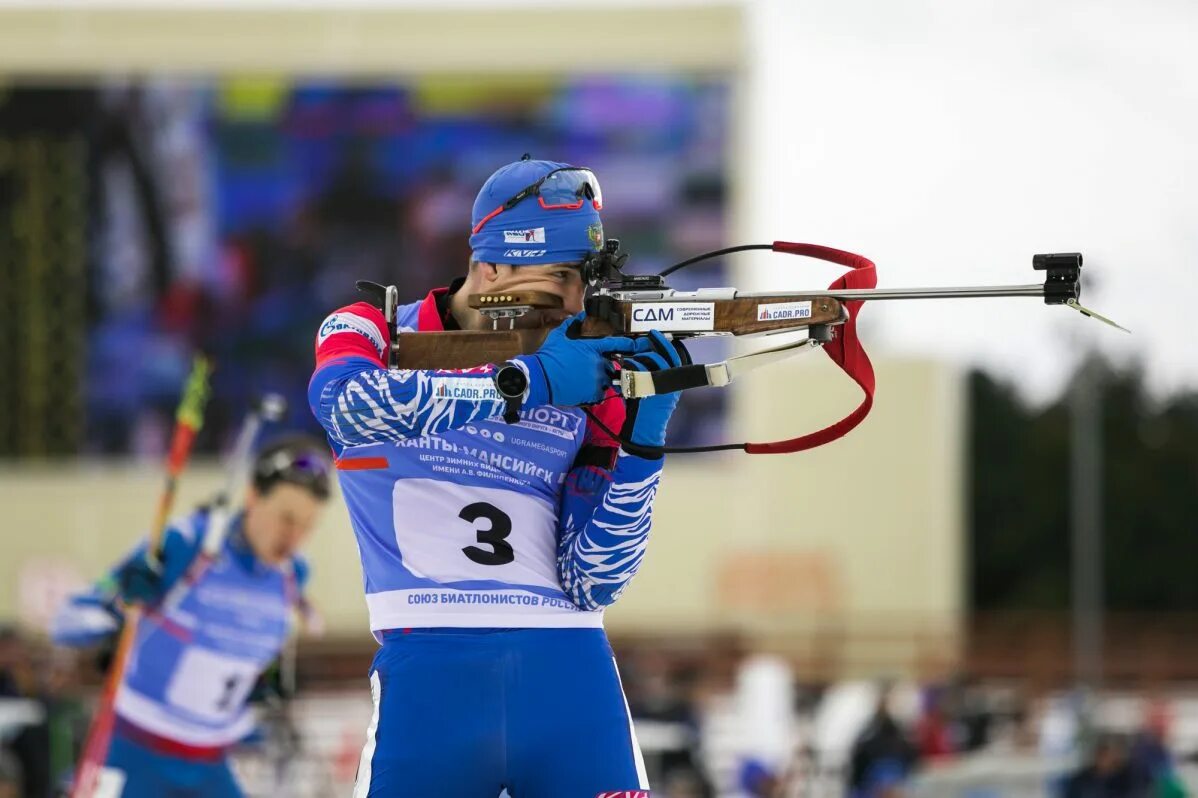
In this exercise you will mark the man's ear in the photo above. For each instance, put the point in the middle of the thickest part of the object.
(491, 271)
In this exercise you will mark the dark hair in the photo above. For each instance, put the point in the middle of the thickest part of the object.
(294, 459)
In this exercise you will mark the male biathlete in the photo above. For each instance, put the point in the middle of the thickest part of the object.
(491, 547)
(211, 627)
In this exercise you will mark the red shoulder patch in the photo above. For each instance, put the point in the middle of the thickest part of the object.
(354, 330)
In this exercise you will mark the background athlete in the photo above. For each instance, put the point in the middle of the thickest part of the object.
(209, 631)
(490, 549)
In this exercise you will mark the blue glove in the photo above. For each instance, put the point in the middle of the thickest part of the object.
(645, 419)
(140, 581)
(569, 371)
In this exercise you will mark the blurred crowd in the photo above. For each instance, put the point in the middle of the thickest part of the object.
(954, 725)
(702, 736)
(714, 721)
(43, 717)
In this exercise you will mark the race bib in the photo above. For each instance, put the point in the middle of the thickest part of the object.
(210, 685)
(456, 533)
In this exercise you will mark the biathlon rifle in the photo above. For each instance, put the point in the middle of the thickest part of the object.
(633, 304)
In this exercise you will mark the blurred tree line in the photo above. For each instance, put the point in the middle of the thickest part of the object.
(1019, 481)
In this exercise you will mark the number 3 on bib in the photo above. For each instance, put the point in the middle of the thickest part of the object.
(501, 552)
(452, 533)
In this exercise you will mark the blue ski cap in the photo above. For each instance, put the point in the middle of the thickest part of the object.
(529, 234)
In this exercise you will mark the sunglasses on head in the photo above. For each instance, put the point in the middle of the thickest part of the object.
(566, 188)
(305, 469)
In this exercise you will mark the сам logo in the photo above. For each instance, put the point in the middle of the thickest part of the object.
(652, 314)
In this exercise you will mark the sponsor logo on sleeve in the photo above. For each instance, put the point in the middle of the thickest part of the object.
(467, 388)
(784, 311)
(341, 322)
(673, 316)
(533, 235)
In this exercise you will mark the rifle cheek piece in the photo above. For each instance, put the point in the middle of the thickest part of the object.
(1063, 280)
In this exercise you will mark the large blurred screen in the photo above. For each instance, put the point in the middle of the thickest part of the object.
(141, 221)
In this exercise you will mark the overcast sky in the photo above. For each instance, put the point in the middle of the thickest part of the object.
(949, 141)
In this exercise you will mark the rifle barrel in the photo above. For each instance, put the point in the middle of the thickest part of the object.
(1035, 289)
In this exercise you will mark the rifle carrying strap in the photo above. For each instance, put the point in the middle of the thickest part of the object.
(844, 348)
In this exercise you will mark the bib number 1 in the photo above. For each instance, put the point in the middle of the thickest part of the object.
(210, 684)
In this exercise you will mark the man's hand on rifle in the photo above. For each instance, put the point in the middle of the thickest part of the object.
(645, 420)
(569, 371)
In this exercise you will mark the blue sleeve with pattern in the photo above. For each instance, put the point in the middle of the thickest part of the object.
(358, 402)
(604, 529)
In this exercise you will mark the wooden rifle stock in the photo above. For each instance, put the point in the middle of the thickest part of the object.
(461, 349)
(464, 349)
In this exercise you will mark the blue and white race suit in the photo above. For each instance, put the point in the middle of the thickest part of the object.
(489, 552)
(197, 654)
